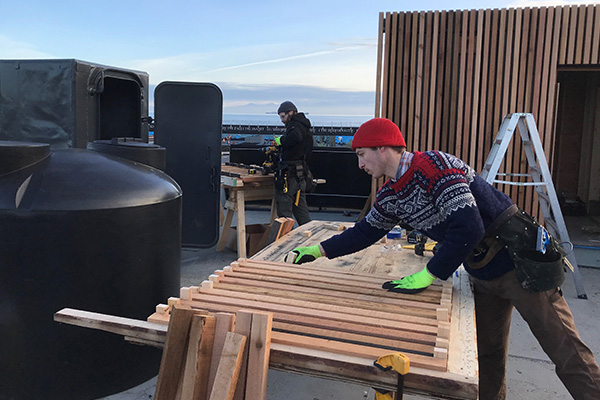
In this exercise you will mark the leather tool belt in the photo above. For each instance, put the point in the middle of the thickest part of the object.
(516, 231)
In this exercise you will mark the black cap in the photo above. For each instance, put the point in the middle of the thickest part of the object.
(286, 106)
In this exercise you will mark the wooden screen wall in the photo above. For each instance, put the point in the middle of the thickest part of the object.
(447, 78)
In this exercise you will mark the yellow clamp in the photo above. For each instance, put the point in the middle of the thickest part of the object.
(398, 362)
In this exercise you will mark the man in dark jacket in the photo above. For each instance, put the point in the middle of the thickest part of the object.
(290, 177)
(443, 197)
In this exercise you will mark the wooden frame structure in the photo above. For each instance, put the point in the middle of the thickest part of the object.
(332, 319)
(447, 78)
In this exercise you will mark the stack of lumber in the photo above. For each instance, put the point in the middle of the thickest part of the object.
(336, 323)
(215, 356)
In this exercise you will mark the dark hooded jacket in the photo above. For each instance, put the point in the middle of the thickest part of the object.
(297, 142)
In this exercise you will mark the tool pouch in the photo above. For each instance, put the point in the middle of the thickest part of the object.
(535, 271)
(280, 178)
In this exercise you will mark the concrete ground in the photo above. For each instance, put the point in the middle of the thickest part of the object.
(530, 374)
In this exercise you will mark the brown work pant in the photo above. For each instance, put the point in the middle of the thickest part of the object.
(551, 322)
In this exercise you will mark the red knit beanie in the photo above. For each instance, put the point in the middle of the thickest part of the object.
(378, 132)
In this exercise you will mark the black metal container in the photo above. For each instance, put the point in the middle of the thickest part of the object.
(69, 102)
(88, 231)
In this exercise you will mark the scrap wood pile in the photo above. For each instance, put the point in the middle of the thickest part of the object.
(215, 356)
(331, 323)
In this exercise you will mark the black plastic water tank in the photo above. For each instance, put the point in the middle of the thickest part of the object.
(88, 231)
(132, 149)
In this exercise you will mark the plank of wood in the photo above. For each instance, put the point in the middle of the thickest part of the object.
(202, 301)
(365, 302)
(316, 306)
(170, 374)
(353, 326)
(287, 227)
(224, 323)
(191, 358)
(243, 326)
(204, 358)
(423, 296)
(402, 345)
(258, 356)
(122, 326)
(228, 370)
(353, 349)
(325, 276)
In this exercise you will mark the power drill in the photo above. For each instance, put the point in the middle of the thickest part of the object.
(271, 159)
(418, 239)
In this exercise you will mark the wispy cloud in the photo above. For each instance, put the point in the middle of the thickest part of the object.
(14, 49)
(343, 66)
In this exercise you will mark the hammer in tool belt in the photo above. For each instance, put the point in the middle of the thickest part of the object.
(399, 363)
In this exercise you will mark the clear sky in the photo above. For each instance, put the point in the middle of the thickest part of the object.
(319, 54)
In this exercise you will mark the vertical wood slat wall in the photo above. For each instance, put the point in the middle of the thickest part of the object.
(449, 77)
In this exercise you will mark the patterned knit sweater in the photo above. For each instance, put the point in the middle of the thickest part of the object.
(441, 196)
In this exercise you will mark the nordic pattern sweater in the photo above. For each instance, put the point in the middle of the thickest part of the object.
(441, 196)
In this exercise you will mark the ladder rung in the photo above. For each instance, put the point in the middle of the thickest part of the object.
(520, 183)
(544, 197)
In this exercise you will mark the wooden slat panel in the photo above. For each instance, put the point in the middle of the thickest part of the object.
(478, 65)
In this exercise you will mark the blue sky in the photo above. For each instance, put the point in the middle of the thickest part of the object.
(319, 54)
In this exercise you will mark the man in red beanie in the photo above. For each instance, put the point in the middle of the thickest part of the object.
(443, 197)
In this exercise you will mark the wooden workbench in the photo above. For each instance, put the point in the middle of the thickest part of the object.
(332, 319)
(243, 186)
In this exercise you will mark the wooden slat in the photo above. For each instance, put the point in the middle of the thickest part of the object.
(572, 35)
(229, 367)
(353, 349)
(580, 35)
(259, 348)
(314, 305)
(202, 301)
(595, 57)
(170, 376)
(365, 302)
(224, 323)
(587, 37)
(251, 286)
(378, 78)
(242, 326)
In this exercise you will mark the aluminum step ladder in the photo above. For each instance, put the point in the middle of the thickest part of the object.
(540, 176)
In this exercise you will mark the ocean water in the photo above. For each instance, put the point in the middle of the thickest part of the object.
(315, 119)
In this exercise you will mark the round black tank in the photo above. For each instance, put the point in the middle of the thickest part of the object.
(132, 149)
(88, 231)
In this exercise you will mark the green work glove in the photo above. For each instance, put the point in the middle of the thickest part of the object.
(278, 140)
(410, 284)
(306, 254)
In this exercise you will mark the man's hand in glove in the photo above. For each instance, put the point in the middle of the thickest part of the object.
(278, 140)
(410, 284)
(306, 254)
